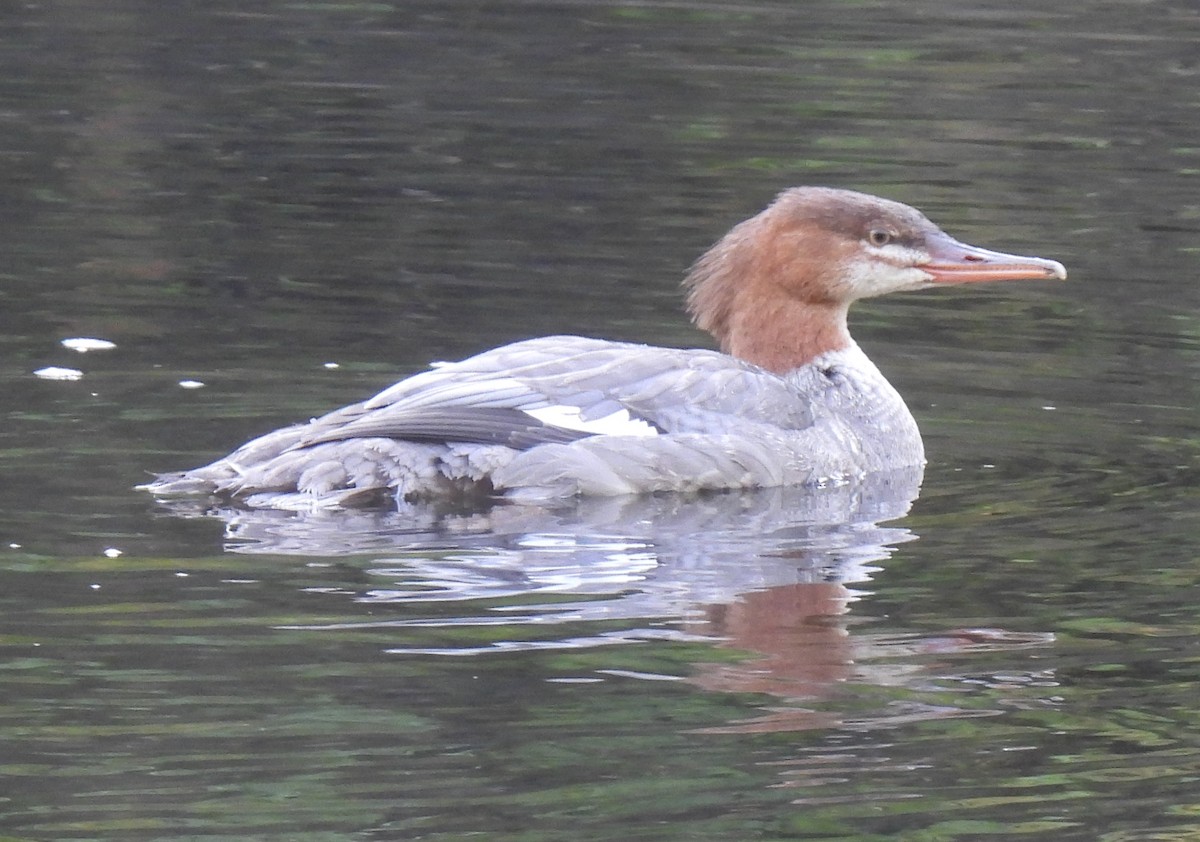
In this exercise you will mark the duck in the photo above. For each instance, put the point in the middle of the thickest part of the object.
(789, 399)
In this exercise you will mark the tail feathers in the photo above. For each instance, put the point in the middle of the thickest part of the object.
(340, 473)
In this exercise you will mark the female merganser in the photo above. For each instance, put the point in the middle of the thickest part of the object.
(790, 399)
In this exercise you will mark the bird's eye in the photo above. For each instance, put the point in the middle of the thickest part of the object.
(879, 237)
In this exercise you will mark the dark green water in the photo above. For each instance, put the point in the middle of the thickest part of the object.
(240, 194)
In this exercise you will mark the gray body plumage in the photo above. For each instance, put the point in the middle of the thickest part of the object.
(504, 422)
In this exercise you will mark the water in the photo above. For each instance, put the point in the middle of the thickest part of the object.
(240, 196)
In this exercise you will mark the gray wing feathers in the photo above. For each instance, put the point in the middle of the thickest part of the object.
(674, 389)
(478, 425)
(467, 421)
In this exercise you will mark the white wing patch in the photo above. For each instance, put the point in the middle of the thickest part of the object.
(619, 423)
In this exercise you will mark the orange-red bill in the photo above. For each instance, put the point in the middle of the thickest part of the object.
(958, 263)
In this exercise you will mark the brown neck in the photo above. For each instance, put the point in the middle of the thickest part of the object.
(783, 335)
(769, 294)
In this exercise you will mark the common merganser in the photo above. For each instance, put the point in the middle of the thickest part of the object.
(790, 399)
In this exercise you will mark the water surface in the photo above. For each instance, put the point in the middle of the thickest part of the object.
(241, 197)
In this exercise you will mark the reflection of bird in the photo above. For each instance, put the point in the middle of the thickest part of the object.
(791, 400)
